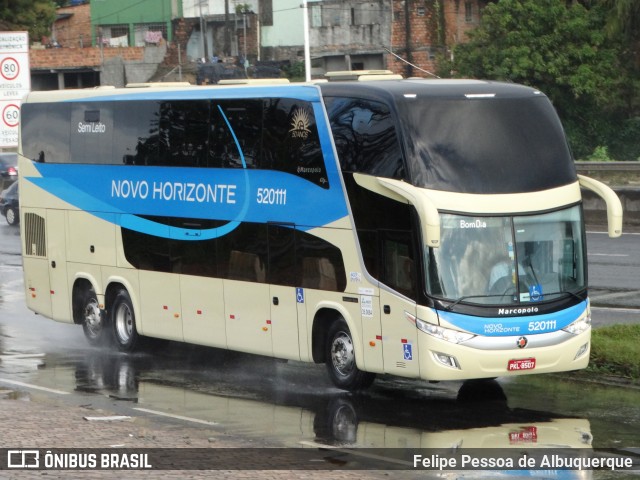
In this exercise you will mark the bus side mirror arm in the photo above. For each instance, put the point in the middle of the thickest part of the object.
(614, 207)
(407, 193)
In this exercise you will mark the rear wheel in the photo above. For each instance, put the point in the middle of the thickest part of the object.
(12, 216)
(94, 323)
(123, 322)
(341, 359)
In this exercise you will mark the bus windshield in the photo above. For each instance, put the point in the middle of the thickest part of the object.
(508, 260)
(474, 145)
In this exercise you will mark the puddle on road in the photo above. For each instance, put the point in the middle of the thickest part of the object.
(613, 411)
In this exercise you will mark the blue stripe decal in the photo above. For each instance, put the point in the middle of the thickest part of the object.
(508, 326)
(233, 195)
(309, 93)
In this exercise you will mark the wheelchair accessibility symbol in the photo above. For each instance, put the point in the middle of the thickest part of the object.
(535, 293)
(408, 354)
(300, 295)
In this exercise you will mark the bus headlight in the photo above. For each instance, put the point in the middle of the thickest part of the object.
(453, 336)
(580, 325)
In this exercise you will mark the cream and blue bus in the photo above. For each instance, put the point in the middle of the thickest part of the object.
(430, 229)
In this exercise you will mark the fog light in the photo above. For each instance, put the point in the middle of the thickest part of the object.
(446, 360)
(581, 351)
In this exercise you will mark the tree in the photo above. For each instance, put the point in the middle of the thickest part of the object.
(562, 49)
(35, 16)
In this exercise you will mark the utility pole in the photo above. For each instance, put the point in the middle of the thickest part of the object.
(227, 30)
(307, 51)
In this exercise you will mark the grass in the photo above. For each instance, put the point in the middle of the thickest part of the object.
(615, 350)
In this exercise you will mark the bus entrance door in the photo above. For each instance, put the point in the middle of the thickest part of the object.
(284, 322)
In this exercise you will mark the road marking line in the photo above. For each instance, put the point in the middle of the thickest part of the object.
(178, 417)
(614, 295)
(36, 387)
(617, 309)
(22, 355)
(355, 452)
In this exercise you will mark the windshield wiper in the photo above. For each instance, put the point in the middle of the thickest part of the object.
(461, 299)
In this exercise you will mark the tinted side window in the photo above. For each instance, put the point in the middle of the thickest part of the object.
(45, 132)
(321, 264)
(283, 268)
(183, 139)
(242, 254)
(399, 266)
(365, 137)
(291, 141)
(242, 119)
(135, 140)
(91, 138)
(253, 252)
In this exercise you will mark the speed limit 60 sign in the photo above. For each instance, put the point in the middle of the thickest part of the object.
(15, 83)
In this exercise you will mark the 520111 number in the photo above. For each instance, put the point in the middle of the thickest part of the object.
(272, 196)
(542, 325)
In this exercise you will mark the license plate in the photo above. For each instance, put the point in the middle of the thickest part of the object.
(524, 435)
(521, 364)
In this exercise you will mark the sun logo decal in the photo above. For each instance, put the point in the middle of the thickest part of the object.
(300, 124)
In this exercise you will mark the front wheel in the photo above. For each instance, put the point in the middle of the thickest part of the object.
(341, 360)
(123, 322)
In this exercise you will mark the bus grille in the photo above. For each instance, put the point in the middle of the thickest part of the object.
(34, 235)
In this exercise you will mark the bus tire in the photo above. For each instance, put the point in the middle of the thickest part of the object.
(341, 359)
(94, 322)
(123, 322)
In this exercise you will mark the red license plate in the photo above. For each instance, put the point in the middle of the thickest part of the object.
(524, 435)
(521, 364)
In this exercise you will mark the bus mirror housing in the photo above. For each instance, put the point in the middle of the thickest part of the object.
(404, 192)
(614, 207)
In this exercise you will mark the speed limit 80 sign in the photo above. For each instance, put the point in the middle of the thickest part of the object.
(15, 83)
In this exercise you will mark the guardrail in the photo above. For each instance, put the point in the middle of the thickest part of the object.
(632, 166)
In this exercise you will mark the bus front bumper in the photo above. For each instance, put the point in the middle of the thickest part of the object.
(442, 360)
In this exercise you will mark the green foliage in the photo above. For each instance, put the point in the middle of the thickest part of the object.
(296, 71)
(563, 49)
(615, 349)
(35, 16)
(600, 154)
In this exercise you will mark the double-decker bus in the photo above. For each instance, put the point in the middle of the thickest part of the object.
(430, 229)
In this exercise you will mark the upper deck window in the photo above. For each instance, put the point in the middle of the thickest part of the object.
(365, 136)
(262, 133)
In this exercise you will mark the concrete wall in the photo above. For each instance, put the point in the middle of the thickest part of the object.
(287, 29)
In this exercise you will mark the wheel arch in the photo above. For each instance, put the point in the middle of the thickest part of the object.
(325, 315)
(81, 284)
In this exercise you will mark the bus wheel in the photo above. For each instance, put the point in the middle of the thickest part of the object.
(94, 323)
(341, 359)
(123, 321)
